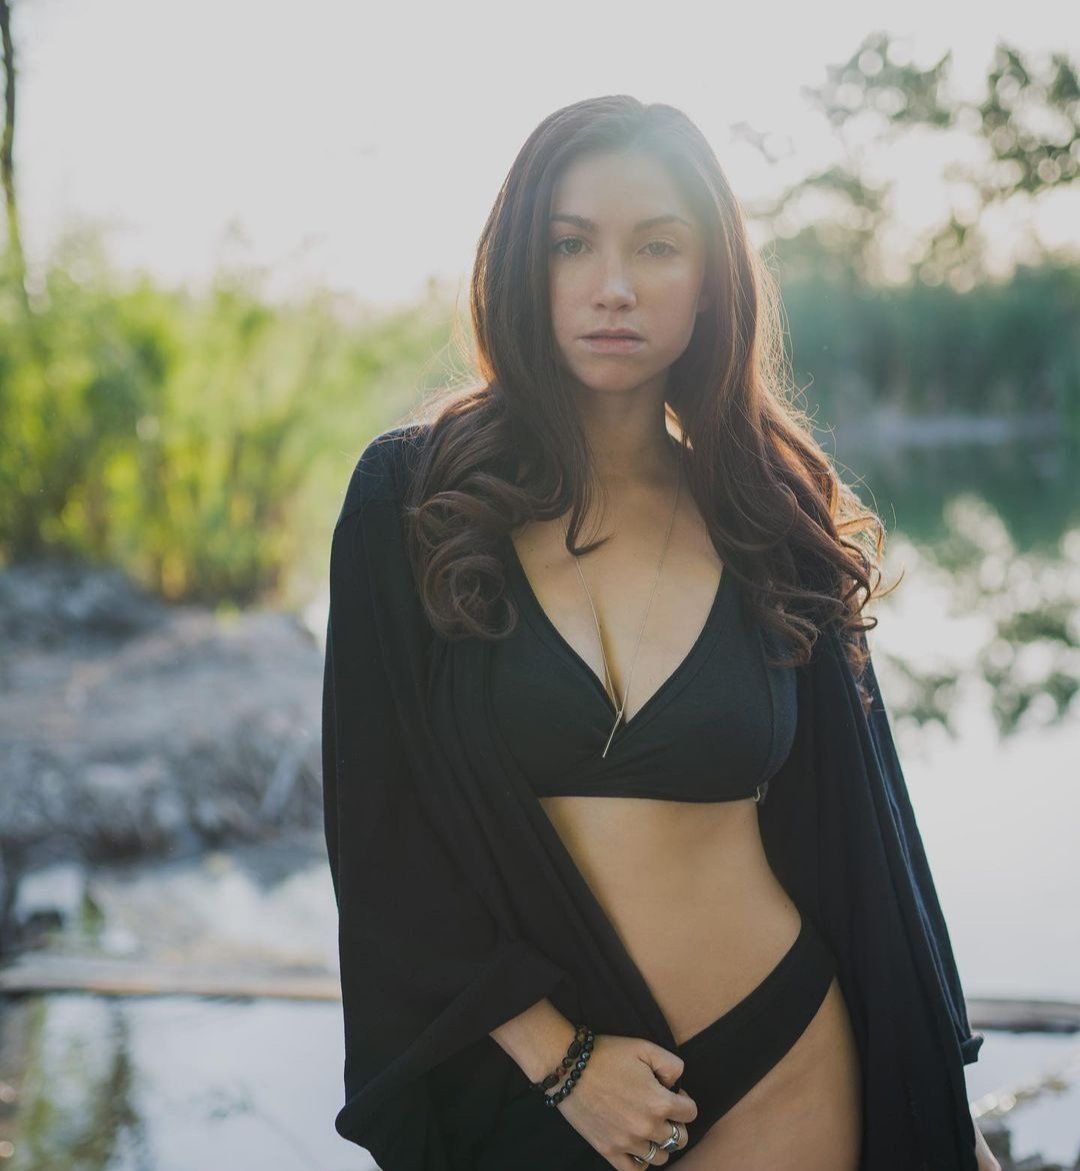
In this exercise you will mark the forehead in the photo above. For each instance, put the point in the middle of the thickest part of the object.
(618, 189)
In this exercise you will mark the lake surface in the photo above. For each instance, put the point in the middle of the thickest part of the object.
(172, 1083)
(977, 655)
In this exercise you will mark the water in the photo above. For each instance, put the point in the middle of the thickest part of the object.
(172, 1083)
(162, 1082)
(991, 544)
(1049, 1124)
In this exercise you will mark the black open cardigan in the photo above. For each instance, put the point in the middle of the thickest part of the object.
(459, 905)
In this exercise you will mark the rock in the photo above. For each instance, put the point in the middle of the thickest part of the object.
(49, 602)
(129, 727)
(51, 897)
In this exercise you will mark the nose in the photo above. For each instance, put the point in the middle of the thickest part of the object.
(614, 286)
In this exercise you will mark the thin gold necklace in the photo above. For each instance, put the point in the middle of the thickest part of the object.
(609, 685)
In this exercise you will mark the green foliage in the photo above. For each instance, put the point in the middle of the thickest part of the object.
(197, 441)
(1031, 119)
(1024, 137)
(1010, 349)
(200, 442)
(876, 77)
(176, 436)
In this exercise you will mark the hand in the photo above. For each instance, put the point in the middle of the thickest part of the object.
(621, 1101)
(983, 1154)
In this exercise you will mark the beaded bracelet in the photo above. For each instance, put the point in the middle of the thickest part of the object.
(580, 1033)
(575, 1073)
(577, 1057)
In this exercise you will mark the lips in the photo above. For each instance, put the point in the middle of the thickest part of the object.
(627, 333)
(615, 344)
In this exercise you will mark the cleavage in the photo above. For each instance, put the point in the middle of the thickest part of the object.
(663, 651)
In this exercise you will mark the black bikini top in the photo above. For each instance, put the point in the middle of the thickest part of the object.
(717, 729)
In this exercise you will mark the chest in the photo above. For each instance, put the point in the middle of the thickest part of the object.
(629, 617)
(709, 729)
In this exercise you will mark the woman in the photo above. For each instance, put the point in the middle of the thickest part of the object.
(574, 932)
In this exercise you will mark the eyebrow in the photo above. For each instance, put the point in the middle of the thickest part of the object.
(588, 225)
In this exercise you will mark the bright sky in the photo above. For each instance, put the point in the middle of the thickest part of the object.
(360, 145)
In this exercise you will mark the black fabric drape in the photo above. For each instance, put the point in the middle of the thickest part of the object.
(459, 906)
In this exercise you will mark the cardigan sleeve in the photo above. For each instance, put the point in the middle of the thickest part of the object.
(922, 880)
(426, 967)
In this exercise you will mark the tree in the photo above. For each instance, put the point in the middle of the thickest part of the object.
(15, 257)
(1028, 125)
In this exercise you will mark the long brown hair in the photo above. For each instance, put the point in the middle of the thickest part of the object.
(511, 447)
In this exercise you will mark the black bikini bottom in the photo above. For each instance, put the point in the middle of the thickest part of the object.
(723, 1062)
(727, 1058)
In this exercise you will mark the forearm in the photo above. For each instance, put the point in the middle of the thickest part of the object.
(537, 1039)
(985, 1157)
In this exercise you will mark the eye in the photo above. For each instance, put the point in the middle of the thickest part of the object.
(566, 240)
(671, 249)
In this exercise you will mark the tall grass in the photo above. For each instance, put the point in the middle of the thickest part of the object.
(201, 442)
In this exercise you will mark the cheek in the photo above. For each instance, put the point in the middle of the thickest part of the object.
(680, 280)
(675, 294)
(563, 300)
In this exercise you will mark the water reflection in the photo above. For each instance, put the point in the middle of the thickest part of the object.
(993, 626)
(169, 1083)
(78, 1109)
(988, 536)
(1027, 1087)
(977, 653)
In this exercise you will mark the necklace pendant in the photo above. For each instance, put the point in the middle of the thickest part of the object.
(611, 734)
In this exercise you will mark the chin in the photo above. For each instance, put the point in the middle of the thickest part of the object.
(627, 386)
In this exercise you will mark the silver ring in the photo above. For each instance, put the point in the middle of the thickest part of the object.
(672, 1144)
(647, 1158)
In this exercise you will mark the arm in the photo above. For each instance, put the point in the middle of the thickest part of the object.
(985, 1156)
(426, 968)
(537, 1039)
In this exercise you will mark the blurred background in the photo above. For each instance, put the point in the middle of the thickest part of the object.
(238, 244)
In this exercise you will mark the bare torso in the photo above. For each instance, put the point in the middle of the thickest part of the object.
(687, 885)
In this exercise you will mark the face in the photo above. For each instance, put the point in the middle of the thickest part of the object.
(624, 253)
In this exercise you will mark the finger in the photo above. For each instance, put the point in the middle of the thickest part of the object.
(666, 1066)
(681, 1107)
(641, 1148)
(626, 1162)
(658, 1160)
(660, 1139)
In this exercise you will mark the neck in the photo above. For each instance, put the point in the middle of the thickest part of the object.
(630, 448)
